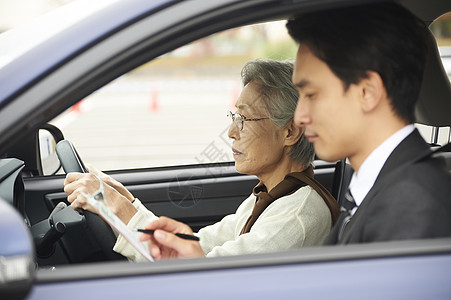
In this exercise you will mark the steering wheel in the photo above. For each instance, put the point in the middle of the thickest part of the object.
(101, 233)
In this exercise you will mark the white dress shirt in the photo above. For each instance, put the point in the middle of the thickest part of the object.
(363, 180)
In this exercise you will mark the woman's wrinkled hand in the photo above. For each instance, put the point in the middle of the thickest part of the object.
(111, 182)
(77, 184)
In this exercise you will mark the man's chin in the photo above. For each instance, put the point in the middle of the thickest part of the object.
(323, 155)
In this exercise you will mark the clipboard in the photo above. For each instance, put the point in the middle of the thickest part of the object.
(99, 200)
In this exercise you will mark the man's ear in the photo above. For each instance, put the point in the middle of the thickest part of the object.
(292, 133)
(372, 91)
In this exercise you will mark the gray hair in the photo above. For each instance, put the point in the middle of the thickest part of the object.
(280, 98)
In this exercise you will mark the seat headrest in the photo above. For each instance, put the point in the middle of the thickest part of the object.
(434, 104)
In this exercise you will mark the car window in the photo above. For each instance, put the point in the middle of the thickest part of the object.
(172, 110)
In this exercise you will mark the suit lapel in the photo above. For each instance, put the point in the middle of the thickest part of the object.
(411, 149)
(408, 151)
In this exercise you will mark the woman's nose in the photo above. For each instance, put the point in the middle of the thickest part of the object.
(233, 132)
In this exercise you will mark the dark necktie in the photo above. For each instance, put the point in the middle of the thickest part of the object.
(345, 217)
(346, 213)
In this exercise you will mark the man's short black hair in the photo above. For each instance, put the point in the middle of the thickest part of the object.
(382, 37)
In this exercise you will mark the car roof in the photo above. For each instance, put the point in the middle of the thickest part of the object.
(61, 34)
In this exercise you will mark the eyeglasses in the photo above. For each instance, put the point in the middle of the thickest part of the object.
(239, 119)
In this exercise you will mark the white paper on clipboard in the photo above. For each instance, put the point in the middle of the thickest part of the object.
(98, 200)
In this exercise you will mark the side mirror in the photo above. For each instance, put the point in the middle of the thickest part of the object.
(48, 137)
(37, 150)
(48, 159)
(17, 267)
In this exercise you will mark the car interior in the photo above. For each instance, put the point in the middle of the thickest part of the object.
(196, 194)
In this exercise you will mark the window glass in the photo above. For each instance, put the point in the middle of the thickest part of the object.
(172, 110)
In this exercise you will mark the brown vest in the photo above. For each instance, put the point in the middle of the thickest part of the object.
(291, 183)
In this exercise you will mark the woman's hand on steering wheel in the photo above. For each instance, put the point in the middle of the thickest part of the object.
(77, 184)
(111, 182)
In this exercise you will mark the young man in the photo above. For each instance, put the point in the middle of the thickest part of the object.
(358, 71)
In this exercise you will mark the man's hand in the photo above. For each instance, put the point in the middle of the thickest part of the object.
(164, 244)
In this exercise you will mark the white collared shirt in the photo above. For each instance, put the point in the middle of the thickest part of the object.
(363, 180)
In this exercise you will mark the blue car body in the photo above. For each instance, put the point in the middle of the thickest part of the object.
(60, 70)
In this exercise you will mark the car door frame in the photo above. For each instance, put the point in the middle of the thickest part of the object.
(55, 97)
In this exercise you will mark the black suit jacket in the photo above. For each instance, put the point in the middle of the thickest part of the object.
(410, 199)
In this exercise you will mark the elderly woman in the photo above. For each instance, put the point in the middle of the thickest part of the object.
(287, 209)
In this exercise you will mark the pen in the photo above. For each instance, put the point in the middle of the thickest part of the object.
(180, 235)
